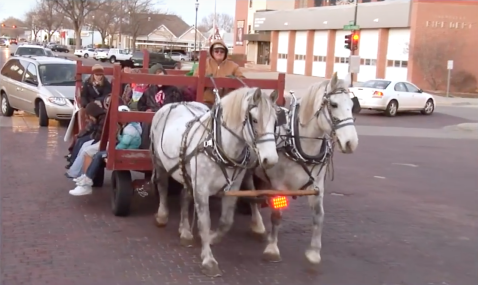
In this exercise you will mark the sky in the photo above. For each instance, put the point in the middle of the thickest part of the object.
(183, 8)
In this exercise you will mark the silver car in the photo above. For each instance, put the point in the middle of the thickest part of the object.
(44, 86)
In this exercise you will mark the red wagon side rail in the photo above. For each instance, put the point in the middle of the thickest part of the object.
(140, 160)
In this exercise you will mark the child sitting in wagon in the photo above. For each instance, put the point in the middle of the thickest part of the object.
(128, 137)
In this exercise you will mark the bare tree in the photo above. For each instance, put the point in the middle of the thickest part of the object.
(141, 17)
(13, 27)
(105, 18)
(431, 54)
(223, 21)
(76, 11)
(48, 18)
(31, 22)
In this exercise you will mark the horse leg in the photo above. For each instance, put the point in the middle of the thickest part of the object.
(316, 203)
(185, 232)
(160, 180)
(257, 225)
(209, 264)
(272, 253)
(227, 218)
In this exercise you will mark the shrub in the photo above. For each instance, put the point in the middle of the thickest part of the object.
(463, 81)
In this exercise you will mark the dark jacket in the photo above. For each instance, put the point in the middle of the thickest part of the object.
(91, 93)
(155, 97)
(96, 128)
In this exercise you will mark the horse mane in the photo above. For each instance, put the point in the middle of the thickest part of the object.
(233, 114)
(313, 95)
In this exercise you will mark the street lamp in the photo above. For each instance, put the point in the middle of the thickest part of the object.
(196, 30)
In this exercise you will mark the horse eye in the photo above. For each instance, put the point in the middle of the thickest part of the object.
(254, 121)
(333, 105)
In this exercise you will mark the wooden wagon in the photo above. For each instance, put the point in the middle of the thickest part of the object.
(123, 162)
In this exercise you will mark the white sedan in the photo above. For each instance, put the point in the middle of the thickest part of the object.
(84, 52)
(392, 96)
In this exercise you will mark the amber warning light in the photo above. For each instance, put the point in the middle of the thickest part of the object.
(356, 37)
(279, 202)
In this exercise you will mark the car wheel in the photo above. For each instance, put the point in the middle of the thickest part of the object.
(392, 108)
(112, 59)
(429, 108)
(177, 67)
(85, 55)
(6, 110)
(182, 59)
(42, 115)
(79, 56)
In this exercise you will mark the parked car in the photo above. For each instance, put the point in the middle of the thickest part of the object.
(102, 55)
(32, 50)
(180, 57)
(165, 60)
(44, 86)
(392, 96)
(60, 48)
(115, 55)
(84, 52)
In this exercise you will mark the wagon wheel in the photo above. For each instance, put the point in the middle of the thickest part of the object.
(122, 192)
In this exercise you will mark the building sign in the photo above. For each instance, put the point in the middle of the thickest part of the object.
(239, 33)
(84, 34)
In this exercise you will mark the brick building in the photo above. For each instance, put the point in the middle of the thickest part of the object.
(399, 39)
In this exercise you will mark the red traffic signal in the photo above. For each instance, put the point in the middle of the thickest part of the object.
(14, 26)
(355, 41)
(3, 25)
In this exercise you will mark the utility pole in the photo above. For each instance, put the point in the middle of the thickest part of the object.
(352, 50)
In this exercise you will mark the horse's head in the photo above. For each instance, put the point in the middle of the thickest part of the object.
(338, 118)
(332, 107)
(256, 118)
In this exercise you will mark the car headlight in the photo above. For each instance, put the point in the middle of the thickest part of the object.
(57, 100)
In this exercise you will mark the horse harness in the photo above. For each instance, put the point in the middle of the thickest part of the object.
(292, 147)
(213, 149)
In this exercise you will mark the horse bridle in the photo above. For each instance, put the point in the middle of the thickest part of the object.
(326, 105)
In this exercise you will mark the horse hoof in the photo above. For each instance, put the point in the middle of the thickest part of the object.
(313, 257)
(160, 222)
(186, 242)
(271, 257)
(261, 237)
(211, 269)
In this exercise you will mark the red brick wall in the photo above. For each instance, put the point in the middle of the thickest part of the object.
(447, 30)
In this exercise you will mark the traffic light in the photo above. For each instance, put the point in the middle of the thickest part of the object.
(3, 25)
(348, 41)
(14, 26)
(355, 41)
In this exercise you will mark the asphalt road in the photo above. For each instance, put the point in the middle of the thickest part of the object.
(401, 211)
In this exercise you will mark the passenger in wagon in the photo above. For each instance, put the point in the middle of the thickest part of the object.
(218, 65)
(97, 117)
(128, 137)
(127, 66)
(96, 87)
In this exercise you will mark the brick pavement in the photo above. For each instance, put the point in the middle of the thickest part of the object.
(414, 225)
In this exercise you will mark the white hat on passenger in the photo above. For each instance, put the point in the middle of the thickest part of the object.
(123, 108)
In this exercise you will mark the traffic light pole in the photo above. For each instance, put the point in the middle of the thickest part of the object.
(353, 47)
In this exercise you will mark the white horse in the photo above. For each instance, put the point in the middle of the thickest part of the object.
(208, 151)
(323, 117)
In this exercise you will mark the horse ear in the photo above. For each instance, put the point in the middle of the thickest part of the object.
(347, 79)
(256, 97)
(333, 81)
(274, 96)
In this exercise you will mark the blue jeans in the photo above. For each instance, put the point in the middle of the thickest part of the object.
(77, 147)
(96, 164)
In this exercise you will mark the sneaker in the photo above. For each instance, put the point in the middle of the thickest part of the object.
(85, 181)
(81, 190)
(79, 179)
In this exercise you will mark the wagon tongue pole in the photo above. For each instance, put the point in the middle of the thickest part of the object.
(278, 202)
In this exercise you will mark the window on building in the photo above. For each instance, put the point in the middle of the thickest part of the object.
(249, 29)
(282, 56)
(299, 57)
(366, 1)
(332, 2)
(318, 3)
(250, 3)
(320, 58)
